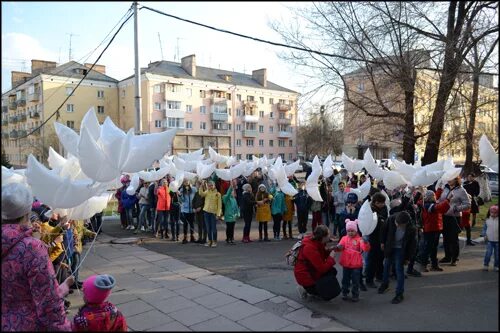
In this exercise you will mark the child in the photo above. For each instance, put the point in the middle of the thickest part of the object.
(288, 216)
(97, 314)
(351, 259)
(278, 209)
(231, 213)
(490, 233)
(263, 214)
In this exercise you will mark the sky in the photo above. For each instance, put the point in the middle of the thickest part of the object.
(41, 30)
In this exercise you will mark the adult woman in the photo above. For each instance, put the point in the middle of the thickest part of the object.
(471, 186)
(247, 207)
(32, 300)
(459, 202)
(212, 209)
(186, 196)
(163, 207)
(314, 271)
(263, 214)
(144, 203)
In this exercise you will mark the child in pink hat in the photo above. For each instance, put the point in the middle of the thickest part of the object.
(98, 314)
(351, 259)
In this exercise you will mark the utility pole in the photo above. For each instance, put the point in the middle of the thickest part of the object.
(161, 49)
(138, 113)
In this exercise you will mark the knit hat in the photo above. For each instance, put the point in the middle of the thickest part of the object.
(429, 196)
(247, 187)
(352, 198)
(494, 209)
(351, 225)
(262, 186)
(125, 179)
(16, 201)
(97, 288)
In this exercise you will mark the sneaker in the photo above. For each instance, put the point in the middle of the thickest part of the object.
(267, 240)
(436, 269)
(355, 299)
(132, 227)
(445, 260)
(469, 243)
(302, 292)
(346, 297)
(415, 273)
(214, 244)
(208, 244)
(371, 284)
(397, 299)
(142, 228)
(127, 228)
(232, 242)
(184, 241)
(383, 288)
(485, 268)
(453, 263)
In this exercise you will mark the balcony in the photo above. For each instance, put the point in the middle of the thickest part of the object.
(283, 134)
(21, 102)
(35, 97)
(284, 121)
(5, 108)
(35, 115)
(22, 117)
(219, 131)
(13, 134)
(173, 113)
(5, 122)
(218, 100)
(12, 105)
(250, 133)
(284, 107)
(13, 119)
(250, 118)
(174, 124)
(219, 116)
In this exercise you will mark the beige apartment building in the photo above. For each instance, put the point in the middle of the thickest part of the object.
(384, 136)
(235, 113)
(35, 96)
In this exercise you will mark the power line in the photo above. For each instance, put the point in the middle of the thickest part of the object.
(332, 55)
(81, 80)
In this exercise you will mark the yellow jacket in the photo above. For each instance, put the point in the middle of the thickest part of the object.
(48, 235)
(290, 208)
(213, 202)
(263, 212)
(79, 231)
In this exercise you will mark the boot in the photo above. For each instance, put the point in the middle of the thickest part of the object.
(184, 240)
(191, 239)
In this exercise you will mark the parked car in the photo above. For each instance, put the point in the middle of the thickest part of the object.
(482, 167)
(492, 181)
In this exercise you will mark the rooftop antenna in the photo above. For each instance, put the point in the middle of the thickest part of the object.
(70, 37)
(161, 49)
(176, 56)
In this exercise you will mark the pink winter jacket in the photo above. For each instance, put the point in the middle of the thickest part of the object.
(31, 296)
(351, 253)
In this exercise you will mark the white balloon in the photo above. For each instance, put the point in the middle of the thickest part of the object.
(406, 170)
(91, 123)
(10, 176)
(134, 184)
(364, 189)
(224, 174)
(451, 174)
(393, 180)
(68, 138)
(373, 169)
(436, 166)
(196, 155)
(487, 153)
(312, 186)
(55, 160)
(214, 156)
(87, 209)
(205, 171)
(367, 219)
(154, 175)
(328, 167)
(425, 178)
(291, 168)
(351, 165)
(176, 184)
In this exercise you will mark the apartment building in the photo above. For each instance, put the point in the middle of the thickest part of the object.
(35, 96)
(235, 113)
(384, 136)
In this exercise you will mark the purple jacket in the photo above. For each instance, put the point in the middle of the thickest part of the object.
(31, 298)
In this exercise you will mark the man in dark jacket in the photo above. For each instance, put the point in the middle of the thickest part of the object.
(471, 186)
(398, 243)
(302, 202)
(375, 259)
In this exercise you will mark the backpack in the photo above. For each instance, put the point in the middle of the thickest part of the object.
(292, 254)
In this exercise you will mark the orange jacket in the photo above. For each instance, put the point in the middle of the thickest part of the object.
(163, 201)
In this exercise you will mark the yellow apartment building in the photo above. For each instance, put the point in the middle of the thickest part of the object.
(384, 136)
(235, 113)
(35, 96)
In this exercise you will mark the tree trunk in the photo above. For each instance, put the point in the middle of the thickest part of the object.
(469, 137)
(409, 134)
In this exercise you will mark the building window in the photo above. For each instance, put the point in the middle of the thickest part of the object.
(271, 129)
(282, 101)
(290, 143)
(261, 143)
(189, 108)
(70, 124)
(175, 122)
(203, 93)
(229, 126)
(100, 109)
(281, 115)
(238, 127)
(157, 88)
(261, 128)
(123, 93)
(281, 143)
(189, 125)
(238, 142)
(203, 109)
(261, 114)
(290, 156)
(189, 92)
(69, 90)
(70, 108)
(249, 142)
(262, 100)
(100, 93)
(238, 112)
(271, 100)
(229, 111)
(238, 97)
(282, 156)
(173, 87)
(158, 123)
(271, 143)
(271, 115)
(250, 98)
(157, 106)
(173, 105)
(249, 157)
(238, 157)
(271, 155)
(203, 125)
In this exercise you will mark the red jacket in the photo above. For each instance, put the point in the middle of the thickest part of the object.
(432, 215)
(313, 261)
(465, 219)
(351, 253)
(163, 200)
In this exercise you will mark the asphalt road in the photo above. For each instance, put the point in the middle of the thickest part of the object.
(461, 298)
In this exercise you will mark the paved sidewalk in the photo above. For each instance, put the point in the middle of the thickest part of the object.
(156, 292)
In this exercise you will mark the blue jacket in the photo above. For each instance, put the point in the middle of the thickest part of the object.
(186, 199)
(278, 205)
(128, 201)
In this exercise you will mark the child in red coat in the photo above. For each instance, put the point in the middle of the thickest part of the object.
(98, 315)
(351, 259)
